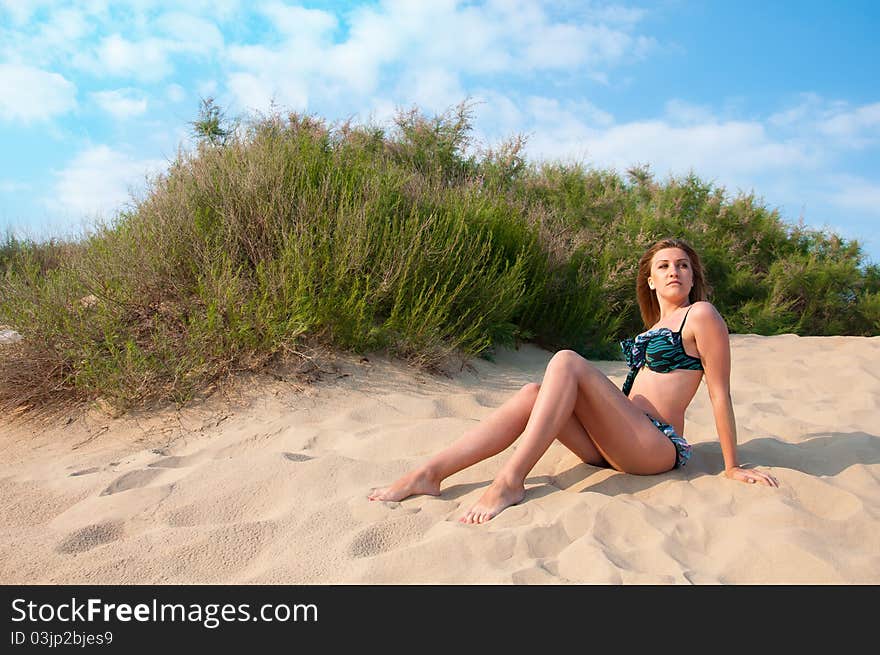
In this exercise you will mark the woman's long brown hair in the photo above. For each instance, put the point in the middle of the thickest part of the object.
(648, 305)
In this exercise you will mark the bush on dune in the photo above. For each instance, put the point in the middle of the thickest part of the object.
(285, 231)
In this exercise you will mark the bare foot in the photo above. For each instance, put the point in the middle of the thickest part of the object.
(500, 495)
(415, 482)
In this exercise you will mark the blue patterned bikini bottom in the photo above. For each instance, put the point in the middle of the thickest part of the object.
(682, 447)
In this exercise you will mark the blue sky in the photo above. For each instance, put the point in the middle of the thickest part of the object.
(778, 98)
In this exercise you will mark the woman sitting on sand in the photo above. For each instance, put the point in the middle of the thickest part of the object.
(635, 431)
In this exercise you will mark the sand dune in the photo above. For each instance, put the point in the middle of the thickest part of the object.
(271, 486)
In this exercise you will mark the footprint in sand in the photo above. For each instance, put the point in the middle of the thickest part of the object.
(389, 535)
(131, 480)
(177, 462)
(90, 536)
(94, 469)
(297, 457)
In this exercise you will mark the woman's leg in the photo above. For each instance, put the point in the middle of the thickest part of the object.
(620, 431)
(488, 438)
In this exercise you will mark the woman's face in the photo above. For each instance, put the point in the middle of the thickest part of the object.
(671, 274)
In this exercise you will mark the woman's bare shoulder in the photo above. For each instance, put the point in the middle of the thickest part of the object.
(704, 313)
(703, 308)
(704, 318)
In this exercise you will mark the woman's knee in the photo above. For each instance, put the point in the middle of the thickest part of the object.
(531, 389)
(571, 360)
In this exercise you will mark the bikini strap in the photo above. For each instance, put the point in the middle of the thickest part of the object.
(681, 327)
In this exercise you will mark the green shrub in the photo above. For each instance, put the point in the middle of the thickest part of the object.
(283, 230)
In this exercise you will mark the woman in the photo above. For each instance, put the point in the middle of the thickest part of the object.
(637, 431)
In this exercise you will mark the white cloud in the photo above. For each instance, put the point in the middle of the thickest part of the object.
(190, 33)
(21, 11)
(52, 37)
(496, 118)
(258, 92)
(150, 59)
(207, 88)
(299, 22)
(514, 38)
(856, 193)
(562, 45)
(30, 94)
(472, 36)
(559, 44)
(100, 181)
(684, 113)
(811, 109)
(728, 150)
(834, 121)
(857, 128)
(175, 93)
(576, 115)
(615, 14)
(288, 72)
(735, 154)
(63, 27)
(432, 90)
(146, 60)
(113, 38)
(399, 38)
(121, 103)
(216, 9)
(13, 186)
(372, 44)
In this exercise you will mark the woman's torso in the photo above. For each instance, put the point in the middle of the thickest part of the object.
(666, 395)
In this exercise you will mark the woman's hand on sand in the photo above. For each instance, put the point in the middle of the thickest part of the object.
(751, 476)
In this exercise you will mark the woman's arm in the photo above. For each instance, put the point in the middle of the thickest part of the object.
(713, 344)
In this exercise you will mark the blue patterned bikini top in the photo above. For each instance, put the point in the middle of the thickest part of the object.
(661, 349)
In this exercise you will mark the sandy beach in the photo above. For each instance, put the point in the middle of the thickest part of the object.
(269, 484)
